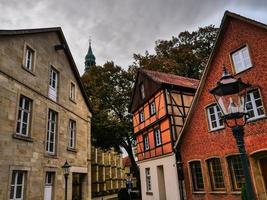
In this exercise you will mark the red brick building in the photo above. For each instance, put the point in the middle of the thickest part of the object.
(212, 167)
(160, 104)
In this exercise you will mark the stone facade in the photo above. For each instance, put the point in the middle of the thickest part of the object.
(107, 173)
(28, 154)
(199, 143)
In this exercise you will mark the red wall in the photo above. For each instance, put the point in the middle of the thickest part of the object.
(198, 142)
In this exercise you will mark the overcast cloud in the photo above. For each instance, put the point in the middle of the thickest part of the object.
(120, 28)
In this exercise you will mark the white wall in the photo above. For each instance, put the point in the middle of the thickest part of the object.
(170, 177)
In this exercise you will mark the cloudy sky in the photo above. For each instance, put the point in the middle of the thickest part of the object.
(120, 28)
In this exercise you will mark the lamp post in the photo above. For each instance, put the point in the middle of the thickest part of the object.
(66, 171)
(231, 95)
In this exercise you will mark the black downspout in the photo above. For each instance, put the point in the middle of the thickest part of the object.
(176, 153)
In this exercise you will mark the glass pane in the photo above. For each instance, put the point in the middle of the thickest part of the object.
(20, 177)
(258, 102)
(25, 117)
(19, 192)
(11, 196)
(51, 148)
(256, 94)
(24, 129)
(211, 110)
(212, 117)
(260, 111)
(18, 127)
(27, 104)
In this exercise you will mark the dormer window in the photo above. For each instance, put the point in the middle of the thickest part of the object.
(29, 57)
(241, 59)
(142, 91)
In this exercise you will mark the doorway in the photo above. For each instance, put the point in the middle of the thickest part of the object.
(263, 164)
(77, 183)
(49, 185)
(161, 183)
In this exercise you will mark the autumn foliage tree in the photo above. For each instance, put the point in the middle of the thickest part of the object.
(185, 55)
(109, 86)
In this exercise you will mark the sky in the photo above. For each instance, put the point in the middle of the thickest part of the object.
(120, 28)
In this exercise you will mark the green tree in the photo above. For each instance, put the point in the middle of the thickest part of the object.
(185, 55)
(109, 89)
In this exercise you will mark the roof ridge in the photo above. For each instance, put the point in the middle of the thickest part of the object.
(169, 74)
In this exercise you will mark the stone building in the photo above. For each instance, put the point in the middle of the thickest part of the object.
(107, 173)
(210, 156)
(159, 105)
(44, 118)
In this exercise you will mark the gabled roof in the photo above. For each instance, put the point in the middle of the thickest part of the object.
(62, 38)
(225, 20)
(157, 80)
(171, 79)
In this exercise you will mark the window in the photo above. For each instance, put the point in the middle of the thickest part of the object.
(216, 174)
(254, 106)
(157, 135)
(241, 59)
(148, 180)
(196, 176)
(53, 84)
(29, 59)
(214, 117)
(17, 185)
(142, 91)
(236, 171)
(49, 184)
(152, 108)
(24, 115)
(146, 142)
(72, 91)
(72, 134)
(51, 132)
(141, 116)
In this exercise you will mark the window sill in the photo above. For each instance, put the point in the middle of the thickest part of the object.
(22, 137)
(252, 120)
(72, 100)
(217, 129)
(218, 192)
(48, 155)
(27, 70)
(149, 193)
(198, 192)
(72, 149)
(236, 192)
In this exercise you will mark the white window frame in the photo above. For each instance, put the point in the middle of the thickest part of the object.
(29, 58)
(16, 185)
(146, 142)
(254, 106)
(72, 134)
(241, 59)
(51, 123)
(216, 115)
(53, 84)
(21, 116)
(148, 180)
(72, 91)
(157, 134)
(141, 116)
(152, 108)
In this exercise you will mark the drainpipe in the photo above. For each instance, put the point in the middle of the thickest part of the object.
(178, 163)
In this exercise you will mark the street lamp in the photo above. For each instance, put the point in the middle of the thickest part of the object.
(231, 95)
(66, 171)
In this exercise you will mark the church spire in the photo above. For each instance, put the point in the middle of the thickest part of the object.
(89, 58)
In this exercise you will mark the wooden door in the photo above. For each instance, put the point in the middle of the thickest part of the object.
(263, 163)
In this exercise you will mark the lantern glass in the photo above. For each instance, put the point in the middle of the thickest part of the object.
(66, 168)
(230, 95)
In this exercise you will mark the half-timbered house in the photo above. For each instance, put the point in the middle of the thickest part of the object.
(160, 103)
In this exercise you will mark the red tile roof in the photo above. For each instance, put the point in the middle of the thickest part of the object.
(171, 79)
